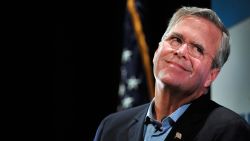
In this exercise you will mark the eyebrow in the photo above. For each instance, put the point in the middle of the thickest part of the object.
(176, 35)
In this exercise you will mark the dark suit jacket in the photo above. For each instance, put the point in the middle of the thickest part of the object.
(204, 120)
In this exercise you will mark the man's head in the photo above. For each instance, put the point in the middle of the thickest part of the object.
(192, 50)
(224, 50)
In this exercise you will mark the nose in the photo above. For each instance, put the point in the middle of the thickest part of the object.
(182, 51)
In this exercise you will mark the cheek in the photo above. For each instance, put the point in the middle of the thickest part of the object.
(161, 52)
(201, 71)
(159, 56)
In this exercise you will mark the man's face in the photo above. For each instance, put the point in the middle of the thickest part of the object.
(180, 67)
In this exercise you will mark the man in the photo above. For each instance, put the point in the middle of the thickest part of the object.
(190, 55)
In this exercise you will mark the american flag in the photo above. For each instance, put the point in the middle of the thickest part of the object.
(133, 89)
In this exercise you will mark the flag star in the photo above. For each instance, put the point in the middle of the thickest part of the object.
(121, 90)
(133, 83)
(126, 55)
(127, 102)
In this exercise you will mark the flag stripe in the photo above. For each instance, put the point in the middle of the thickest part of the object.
(143, 47)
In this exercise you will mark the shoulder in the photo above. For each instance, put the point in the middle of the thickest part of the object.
(116, 125)
(224, 116)
(122, 117)
(225, 124)
(214, 115)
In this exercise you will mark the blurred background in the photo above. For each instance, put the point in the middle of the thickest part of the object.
(89, 40)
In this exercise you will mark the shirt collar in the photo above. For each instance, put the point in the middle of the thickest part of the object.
(174, 116)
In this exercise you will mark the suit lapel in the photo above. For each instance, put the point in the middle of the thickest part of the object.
(136, 127)
(190, 123)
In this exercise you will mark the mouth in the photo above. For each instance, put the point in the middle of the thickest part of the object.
(179, 65)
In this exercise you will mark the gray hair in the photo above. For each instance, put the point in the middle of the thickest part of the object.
(224, 49)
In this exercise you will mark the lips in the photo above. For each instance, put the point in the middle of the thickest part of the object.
(181, 65)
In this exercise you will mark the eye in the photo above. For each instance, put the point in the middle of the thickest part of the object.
(175, 41)
(197, 49)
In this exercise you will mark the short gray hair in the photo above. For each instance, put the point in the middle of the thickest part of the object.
(224, 49)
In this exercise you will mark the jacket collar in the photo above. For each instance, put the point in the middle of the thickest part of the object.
(136, 126)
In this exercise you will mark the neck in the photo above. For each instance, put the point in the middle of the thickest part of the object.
(168, 100)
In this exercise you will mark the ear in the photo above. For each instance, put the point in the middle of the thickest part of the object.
(212, 76)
